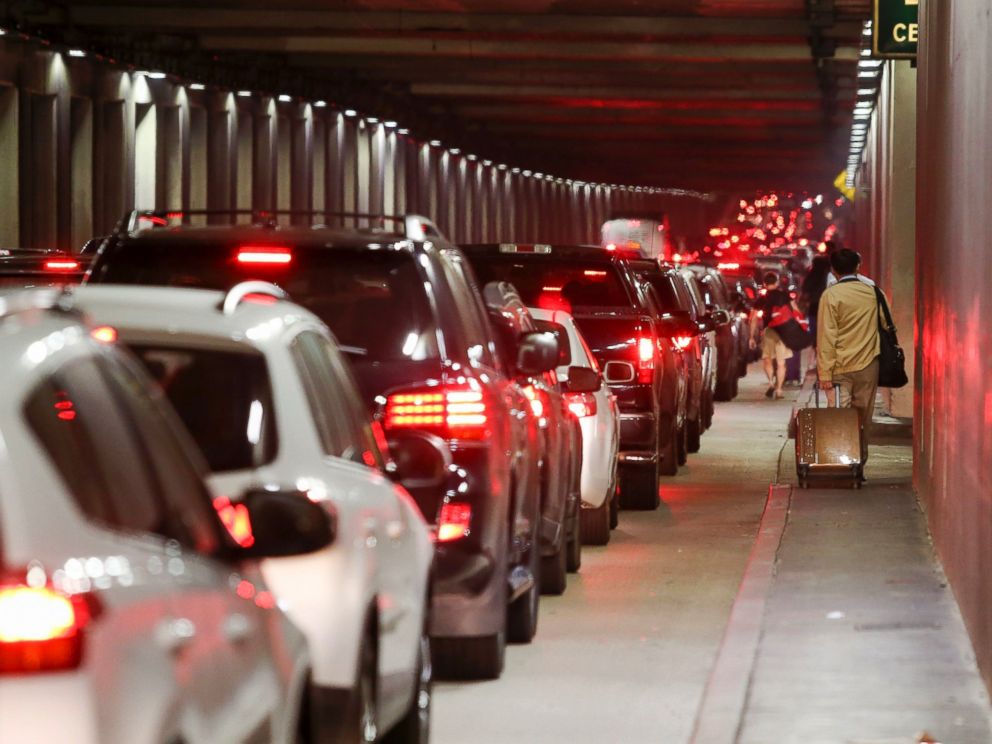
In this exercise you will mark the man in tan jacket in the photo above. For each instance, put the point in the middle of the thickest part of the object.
(847, 343)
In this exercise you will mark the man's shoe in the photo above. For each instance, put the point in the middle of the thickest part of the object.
(770, 392)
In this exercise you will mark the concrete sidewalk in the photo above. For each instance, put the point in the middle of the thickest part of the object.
(861, 639)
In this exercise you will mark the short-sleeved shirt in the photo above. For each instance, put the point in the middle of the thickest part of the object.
(767, 303)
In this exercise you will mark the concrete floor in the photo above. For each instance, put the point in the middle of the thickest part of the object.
(625, 654)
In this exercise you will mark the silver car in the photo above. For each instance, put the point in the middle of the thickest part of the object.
(128, 613)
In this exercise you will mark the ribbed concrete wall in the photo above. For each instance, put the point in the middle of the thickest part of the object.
(954, 311)
(82, 142)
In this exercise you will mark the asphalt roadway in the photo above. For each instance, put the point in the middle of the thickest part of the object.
(625, 654)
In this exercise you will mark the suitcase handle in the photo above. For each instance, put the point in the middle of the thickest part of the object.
(816, 394)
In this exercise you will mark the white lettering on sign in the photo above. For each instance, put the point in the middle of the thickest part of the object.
(903, 32)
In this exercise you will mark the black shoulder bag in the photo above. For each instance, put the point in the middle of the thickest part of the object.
(891, 359)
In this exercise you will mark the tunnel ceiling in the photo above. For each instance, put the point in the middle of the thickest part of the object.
(702, 94)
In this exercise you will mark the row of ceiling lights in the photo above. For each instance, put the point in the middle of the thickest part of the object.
(869, 75)
(389, 124)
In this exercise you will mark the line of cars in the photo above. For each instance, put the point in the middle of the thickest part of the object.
(337, 460)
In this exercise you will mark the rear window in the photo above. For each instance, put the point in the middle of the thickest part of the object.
(374, 301)
(223, 397)
(665, 292)
(555, 283)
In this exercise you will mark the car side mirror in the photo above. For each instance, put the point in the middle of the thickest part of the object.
(284, 523)
(619, 373)
(583, 380)
(720, 316)
(678, 325)
(420, 459)
(537, 353)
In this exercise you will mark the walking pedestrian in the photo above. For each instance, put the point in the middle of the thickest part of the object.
(772, 308)
(813, 287)
(847, 344)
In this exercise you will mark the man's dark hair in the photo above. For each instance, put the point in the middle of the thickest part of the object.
(845, 261)
(831, 247)
(770, 278)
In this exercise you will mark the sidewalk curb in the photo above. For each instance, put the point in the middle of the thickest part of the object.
(721, 709)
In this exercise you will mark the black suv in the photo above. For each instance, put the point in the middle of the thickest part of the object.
(405, 307)
(600, 291)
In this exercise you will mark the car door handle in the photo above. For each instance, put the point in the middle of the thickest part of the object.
(175, 634)
(238, 628)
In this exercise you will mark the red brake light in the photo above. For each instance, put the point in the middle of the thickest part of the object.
(236, 521)
(455, 413)
(682, 342)
(581, 405)
(645, 359)
(61, 264)
(41, 629)
(454, 521)
(590, 272)
(730, 266)
(256, 254)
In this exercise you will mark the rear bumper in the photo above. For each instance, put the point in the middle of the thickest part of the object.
(638, 433)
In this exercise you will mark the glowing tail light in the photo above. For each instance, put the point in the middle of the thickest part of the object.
(535, 399)
(61, 264)
(41, 629)
(645, 359)
(255, 255)
(453, 413)
(236, 521)
(454, 521)
(581, 405)
(104, 334)
(682, 342)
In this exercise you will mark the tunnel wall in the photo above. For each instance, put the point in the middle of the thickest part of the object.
(83, 141)
(953, 464)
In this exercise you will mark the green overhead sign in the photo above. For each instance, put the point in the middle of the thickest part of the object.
(896, 28)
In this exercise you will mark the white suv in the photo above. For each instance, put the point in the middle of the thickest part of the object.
(262, 387)
(128, 615)
(595, 406)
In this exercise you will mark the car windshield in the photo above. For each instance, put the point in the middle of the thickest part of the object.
(373, 300)
(555, 283)
(223, 397)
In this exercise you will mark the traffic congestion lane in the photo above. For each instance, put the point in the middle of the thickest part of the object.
(625, 654)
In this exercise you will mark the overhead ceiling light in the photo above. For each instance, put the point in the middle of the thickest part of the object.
(866, 52)
(320, 104)
(536, 175)
(244, 93)
(151, 74)
(870, 63)
(867, 91)
(77, 53)
(390, 124)
(350, 112)
(435, 143)
(487, 163)
(862, 115)
(528, 173)
(371, 120)
(403, 131)
(197, 86)
(515, 170)
(454, 151)
(283, 98)
(867, 74)
(472, 157)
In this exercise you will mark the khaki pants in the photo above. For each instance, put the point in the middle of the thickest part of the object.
(858, 389)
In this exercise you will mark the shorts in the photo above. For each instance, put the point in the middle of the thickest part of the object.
(772, 347)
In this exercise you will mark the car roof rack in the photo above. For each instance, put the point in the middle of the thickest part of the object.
(412, 226)
(239, 292)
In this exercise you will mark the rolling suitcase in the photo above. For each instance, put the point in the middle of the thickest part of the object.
(828, 444)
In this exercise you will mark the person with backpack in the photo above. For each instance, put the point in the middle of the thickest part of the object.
(773, 308)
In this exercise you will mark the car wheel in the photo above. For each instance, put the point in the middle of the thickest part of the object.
(735, 387)
(670, 457)
(415, 726)
(683, 438)
(725, 388)
(615, 508)
(554, 570)
(469, 658)
(521, 615)
(359, 724)
(575, 542)
(693, 434)
(639, 487)
(596, 524)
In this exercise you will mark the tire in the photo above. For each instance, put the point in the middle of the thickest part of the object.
(639, 488)
(735, 387)
(725, 388)
(574, 557)
(694, 434)
(521, 614)
(415, 726)
(469, 658)
(596, 524)
(554, 570)
(669, 464)
(359, 724)
(683, 438)
(615, 509)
